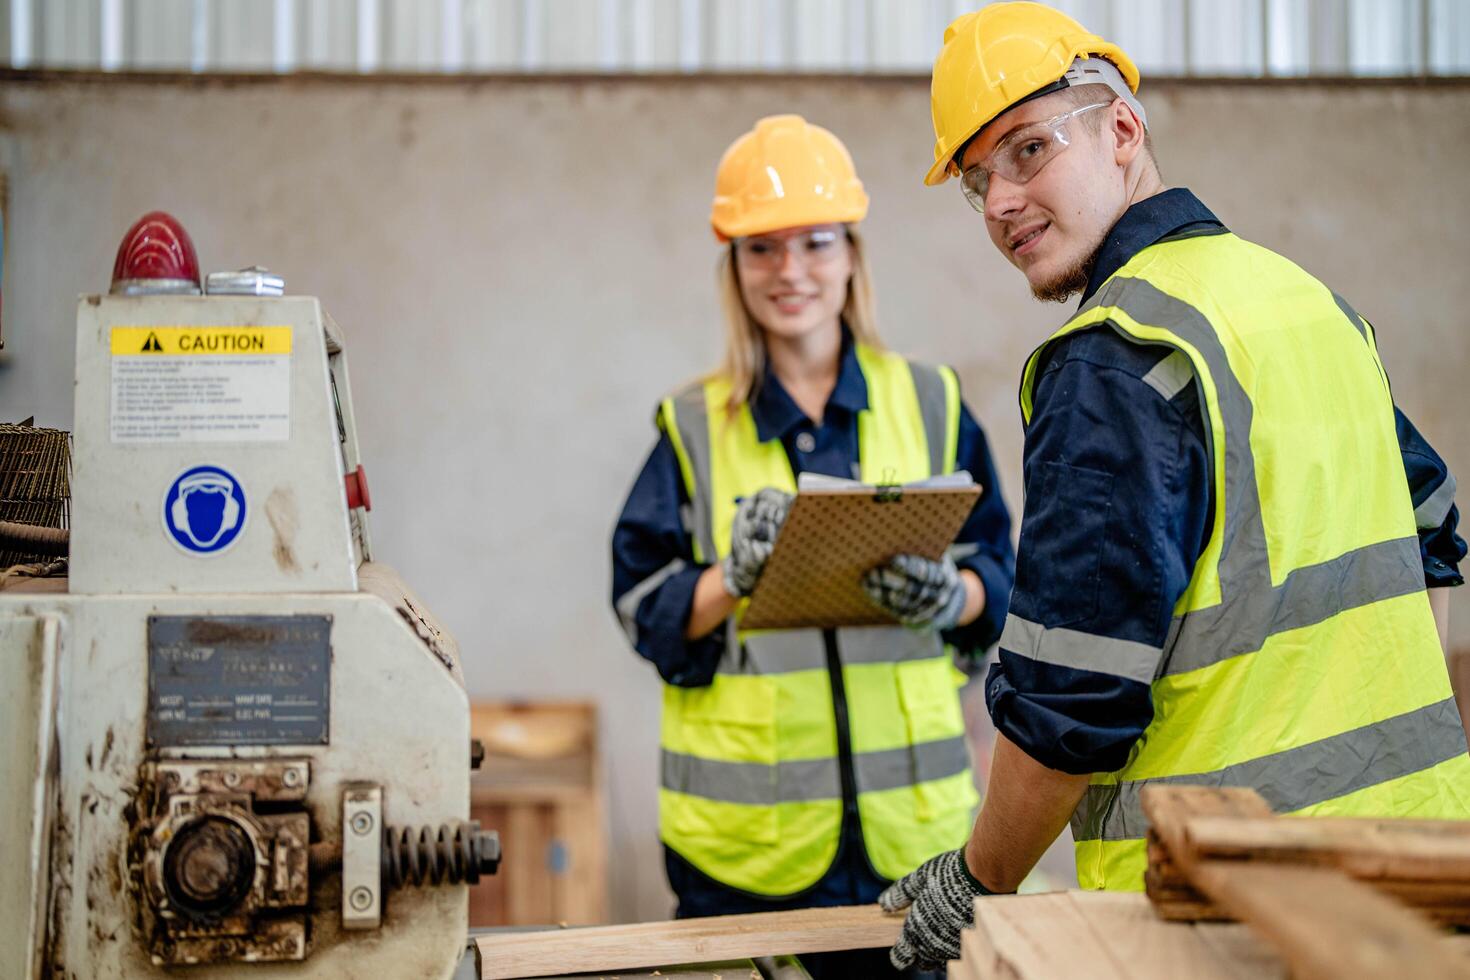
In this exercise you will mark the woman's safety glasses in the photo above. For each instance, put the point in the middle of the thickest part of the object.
(1021, 155)
(816, 246)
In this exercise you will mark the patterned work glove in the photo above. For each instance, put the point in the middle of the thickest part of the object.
(918, 591)
(752, 538)
(940, 896)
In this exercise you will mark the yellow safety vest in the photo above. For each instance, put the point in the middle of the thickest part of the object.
(1303, 659)
(751, 781)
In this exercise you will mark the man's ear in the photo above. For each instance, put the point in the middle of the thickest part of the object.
(1127, 131)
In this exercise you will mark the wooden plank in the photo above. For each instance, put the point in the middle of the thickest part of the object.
(1245, 953)
(527, 843)
(579, 883)
(723, 970)
(727, 937)
(1042, 936)
(1415, 850)
(1423, 863)
(978, 959)
(1134, 936)
(1327, 926)
(540, 730)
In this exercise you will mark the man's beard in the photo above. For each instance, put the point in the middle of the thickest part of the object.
(1069, 281)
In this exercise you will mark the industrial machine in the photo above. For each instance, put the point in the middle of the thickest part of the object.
(232, 745)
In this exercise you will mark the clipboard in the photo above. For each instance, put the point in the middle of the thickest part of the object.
(813, 578)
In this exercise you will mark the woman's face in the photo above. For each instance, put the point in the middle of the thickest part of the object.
(794, 281)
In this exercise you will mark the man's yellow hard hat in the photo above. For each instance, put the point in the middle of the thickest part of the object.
(785, 173)
(1001, 55)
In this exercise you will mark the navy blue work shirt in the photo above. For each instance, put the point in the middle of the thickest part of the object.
(654, 573)
(1110, 459)
(650, 540)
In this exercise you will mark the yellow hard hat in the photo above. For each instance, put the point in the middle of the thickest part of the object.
(785, 173)
(999, 56)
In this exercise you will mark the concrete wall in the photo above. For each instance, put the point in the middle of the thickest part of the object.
(523, 267)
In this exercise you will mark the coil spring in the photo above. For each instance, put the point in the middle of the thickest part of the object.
(418, 856)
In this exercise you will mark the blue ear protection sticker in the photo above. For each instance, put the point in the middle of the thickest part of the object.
(204, 510)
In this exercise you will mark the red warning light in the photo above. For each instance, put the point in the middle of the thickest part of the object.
(156, 256)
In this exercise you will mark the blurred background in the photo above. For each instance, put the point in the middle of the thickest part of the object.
(504, 203)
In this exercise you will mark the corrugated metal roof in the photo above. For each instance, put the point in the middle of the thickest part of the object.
(1247, 38)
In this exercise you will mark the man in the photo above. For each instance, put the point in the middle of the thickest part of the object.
(1219, 579)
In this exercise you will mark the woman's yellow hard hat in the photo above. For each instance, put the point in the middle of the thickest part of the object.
(998, 56)
(785, 173)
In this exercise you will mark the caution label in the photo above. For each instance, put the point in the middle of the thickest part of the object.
(201, 341)
(201, 384)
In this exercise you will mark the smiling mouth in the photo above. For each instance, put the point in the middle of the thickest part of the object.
(1021, 241)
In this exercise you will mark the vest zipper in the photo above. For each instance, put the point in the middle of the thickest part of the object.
(844, 732)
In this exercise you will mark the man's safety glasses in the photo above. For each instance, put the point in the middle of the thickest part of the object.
(1021, 155)
(816, 246)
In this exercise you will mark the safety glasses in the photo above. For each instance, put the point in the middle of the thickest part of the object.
(1021, 155)
(813, 247)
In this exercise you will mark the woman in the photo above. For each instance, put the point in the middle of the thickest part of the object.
(803, 767)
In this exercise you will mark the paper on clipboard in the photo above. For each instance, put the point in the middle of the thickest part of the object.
(837, 530)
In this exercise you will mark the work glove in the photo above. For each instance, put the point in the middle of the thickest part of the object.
(758, 520)
(940, 896)
(918, 591)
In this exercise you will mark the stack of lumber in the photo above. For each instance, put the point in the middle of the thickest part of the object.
(1117, 936)
(1331, 895)
(1424, 864)
(1235, 891)
(540, 788)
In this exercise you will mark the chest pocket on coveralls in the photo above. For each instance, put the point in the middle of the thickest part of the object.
(732, 723)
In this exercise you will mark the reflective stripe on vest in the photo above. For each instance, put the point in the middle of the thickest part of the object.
(751, 782)
(1302, 660)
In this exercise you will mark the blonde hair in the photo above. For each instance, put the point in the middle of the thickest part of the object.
(745, 343)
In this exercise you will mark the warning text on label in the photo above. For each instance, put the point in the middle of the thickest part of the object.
(201, 384)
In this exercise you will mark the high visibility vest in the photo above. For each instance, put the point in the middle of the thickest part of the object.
(1303, 659)
(752, 786)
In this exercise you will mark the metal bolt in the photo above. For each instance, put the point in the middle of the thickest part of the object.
(361, 898)
(362, 823)
(291, 778)
(232, 778)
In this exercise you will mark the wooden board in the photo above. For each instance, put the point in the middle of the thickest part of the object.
(1063, 936)
(540, 786)
(1417, 850)
(1324, 924)
(1109, 936)
(1424, 864)
(1327, 926)
(831, 537)
(726, 937)
(723, 970)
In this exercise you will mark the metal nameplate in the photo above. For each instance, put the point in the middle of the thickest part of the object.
(238, 680)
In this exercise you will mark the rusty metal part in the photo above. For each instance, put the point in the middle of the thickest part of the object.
(208, 867)
(324, 857)
(35, 487)
(32, 539)
(456, 853)
(218, 881)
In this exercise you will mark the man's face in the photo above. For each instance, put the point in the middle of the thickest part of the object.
(1051, 226)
